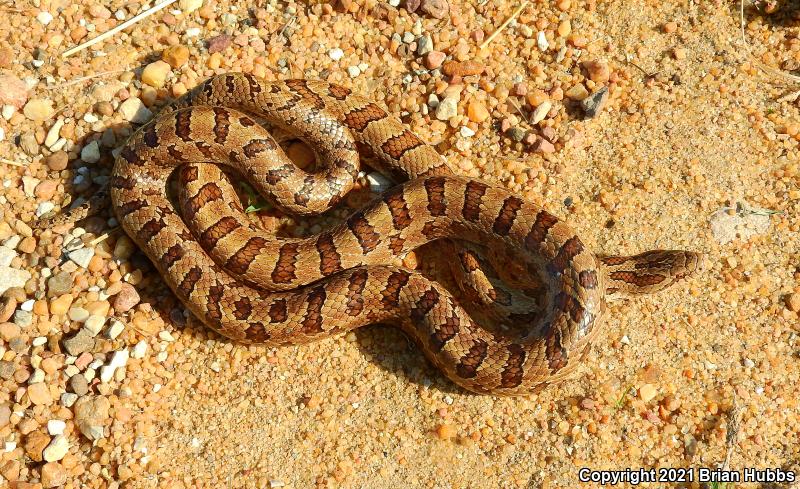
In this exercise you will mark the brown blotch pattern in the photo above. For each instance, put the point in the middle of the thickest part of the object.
(512, 373)
(208, 193)
(312, 321)
(242, 308)
(588, 279)
(277, 311)
(358, 119)
(222, 124)
(446, 331)
(569, 250)
(398, 208)
(330, 261)
(183, 125)
(507, 215)
(285, 267)
(208, 239)
(240, 261)
(300, 87)
(437, 204)
(355, 287)
(257, 333)
(394, 285)
(338, 92)
(399, 145)
(172, 255)
(150, 229)
(468, 365)
(473, 197)
(186, 286)
(367, 238)
(638, 279)
(544, 221)
(424, 305)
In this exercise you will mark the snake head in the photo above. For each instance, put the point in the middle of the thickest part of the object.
(650, 271)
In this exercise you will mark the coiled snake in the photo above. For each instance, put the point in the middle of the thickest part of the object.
(261, 289)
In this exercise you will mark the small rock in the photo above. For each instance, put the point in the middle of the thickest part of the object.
(133, 110)
(176, 56)
(11, 277)
(594, 103)
(79, 384)
(541, 42)
(434, 59)
(445, 431)
(39, 394)
(68, 399)
(424, 45)
(598, 71)
(577, 92)
(477, 112)
(465, 68)
(7, 369)
(59, 284)
(116, 329)
(13, 93)
(543, 146)
(647, 392)
(56, 427)
(139, 349)
(516, 133)
(155, 74)
(81, 342)
(447, 108)
(53, 474)
(38, 109)
(189, 6)
(57, 161)
(28, 144)
(57, 449)
(378, 183)
(219, 43)
(435, 8)
(53, 133)
(336, 54)
(44, 17)
(91, 413)
(126, 298)
(541, 112)
(35, 443)
(793, 302)
(82, 256)
(91, 152)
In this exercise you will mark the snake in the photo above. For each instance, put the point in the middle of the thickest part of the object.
(256, 288)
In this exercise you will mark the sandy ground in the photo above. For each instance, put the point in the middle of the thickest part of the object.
(693, 126)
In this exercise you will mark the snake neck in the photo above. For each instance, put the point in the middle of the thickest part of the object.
(646, 273)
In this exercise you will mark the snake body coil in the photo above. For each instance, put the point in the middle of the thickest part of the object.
(260, 289)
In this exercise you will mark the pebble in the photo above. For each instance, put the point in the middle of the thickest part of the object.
(155, 74)
(118, 360)
(598, 71)
(59, 284)
(793, 302)
(541, 42)
(6, 255)
(12, 277)
(543, 146)
(189, 6)
(57, 161)
(176, 56)
(44, 17)
(28, 144)
(541, 112)
(353, 71)
(94, 324)
(336, 54)
(68, 399)
(434, 59)
(424, 45)
(437, 9)
(13, 94)
(35, 443)
(465, 68)
(78, 384)
(38, 109)
(477, 112)
(39, 394)
(647, 392)
(139, 349)
(219, 43)
(126, 298)
(81, 342)
(91, 413)
(56, 427)
(53, 474)
(7, 369)
(91, 152)
(53, 133)
(445, 431)
(577, 92)
(82, 256)
(447, 108)
(134, 110)
(57, 449)
(43, 208)
(116, 329)
(593, 104)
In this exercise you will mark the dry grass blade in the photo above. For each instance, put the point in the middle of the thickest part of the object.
(10, 162)
(83, 79)
(504, 24)
(124, 25)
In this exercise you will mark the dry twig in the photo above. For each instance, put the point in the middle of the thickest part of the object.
(124, 25)
(504, 24)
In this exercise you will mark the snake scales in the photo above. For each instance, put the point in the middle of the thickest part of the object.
(261, 289)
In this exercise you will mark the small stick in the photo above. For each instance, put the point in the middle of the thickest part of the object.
(104, 236)
(10, 162)
(504, 24)
(118, 28)
(790, 97)
(83, 79)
